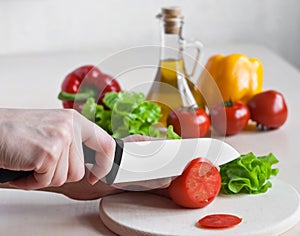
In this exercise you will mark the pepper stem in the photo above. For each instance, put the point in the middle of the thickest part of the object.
(81, 96)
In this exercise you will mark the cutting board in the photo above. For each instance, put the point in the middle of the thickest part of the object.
(139, 214)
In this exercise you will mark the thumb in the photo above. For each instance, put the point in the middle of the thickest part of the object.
(99, 140)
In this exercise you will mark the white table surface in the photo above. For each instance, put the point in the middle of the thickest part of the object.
(33, 81)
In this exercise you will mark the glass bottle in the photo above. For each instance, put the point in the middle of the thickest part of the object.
(172, 87)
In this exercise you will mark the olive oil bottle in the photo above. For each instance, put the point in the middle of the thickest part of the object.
(172, 87)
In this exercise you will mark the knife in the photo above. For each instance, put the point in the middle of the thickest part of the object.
(155, 159)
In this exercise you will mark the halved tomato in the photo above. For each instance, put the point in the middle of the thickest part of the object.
(198, 185)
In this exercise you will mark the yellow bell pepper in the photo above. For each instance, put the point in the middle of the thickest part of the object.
(237, 76)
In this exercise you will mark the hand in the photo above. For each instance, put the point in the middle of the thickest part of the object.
(50, 143)
(82, 190)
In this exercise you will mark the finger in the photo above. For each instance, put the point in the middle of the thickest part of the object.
(166, 183)
(93, 136)
(144, 185)
(100, 169)
(41, 178)
(93, 178)
(44, 167)
(76, 162)
(138, 138)
(96, 138)
(61, 172)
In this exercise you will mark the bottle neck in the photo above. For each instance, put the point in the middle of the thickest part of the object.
(172, 64)
(171, 48)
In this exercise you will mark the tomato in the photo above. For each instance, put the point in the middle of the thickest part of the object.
(189, 123)
(268, 109)
(198, 185)
(229, 118)
(217, 221)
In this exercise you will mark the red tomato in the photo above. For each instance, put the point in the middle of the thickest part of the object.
(192, 123)
(217, 221)
(268, 109)
(230, 117)
(198, 185)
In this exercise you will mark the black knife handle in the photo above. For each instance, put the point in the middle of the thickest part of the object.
(10, 175)
(110, 177)
(89, 157)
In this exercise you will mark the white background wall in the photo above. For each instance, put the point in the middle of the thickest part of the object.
(74, 25)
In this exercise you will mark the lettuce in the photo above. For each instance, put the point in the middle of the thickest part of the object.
(126, 113)
(248, 174)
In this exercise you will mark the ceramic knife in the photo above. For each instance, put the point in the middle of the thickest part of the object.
(155, 159)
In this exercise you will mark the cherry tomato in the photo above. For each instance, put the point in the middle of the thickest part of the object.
(229, 118)
(268, 109)
(217, 221)
(189, 123)
(198, 185)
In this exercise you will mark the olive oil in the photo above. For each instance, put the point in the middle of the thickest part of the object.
(169, 89)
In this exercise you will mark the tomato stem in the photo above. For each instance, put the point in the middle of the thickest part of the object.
(263, 127)
(228, 103)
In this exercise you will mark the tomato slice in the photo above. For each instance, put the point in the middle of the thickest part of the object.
(198, 185)
(218, 221)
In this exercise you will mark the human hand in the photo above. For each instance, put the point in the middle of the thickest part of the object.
(82, 190)
(50, 143)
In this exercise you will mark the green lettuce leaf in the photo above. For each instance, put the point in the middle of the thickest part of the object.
(96, 113)
(248, 174)
(126, 113)
(171, 134)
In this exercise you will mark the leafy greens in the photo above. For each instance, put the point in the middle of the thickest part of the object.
(248, 174)
(126, 113)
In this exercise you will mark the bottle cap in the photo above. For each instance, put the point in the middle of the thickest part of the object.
(171, 11)
(172, 19)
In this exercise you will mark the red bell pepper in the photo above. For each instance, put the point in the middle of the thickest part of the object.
(85, 82)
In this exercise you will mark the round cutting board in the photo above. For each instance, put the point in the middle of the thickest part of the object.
(135, 213)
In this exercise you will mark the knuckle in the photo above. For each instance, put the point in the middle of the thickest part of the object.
(51, 154)
(65, 130)
(64, 125)
(45, 160)
(40, 163)
(45, 157)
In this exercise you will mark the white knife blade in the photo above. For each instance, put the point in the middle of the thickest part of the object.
(155, 159)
